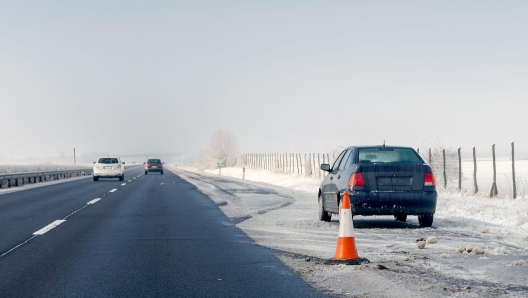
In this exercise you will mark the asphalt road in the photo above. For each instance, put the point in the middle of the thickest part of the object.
(149, 236)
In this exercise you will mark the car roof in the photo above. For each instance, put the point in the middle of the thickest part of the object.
(111, 156)
(379, 146)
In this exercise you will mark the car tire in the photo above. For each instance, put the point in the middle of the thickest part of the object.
(95, 178)
(339, 207)
(161, 172)
(426, 220)
(401, 217)
(323, 214)
(122, 177)
(146, 172)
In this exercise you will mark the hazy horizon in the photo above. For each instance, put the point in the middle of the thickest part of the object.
(294, 76)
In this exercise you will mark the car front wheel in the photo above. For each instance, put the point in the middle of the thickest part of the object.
(426, 220)
(323, 214)
(95, 178)
(401, 217)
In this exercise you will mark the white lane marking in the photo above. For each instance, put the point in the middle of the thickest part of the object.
(47, 228)
(93, 201)
(129, 180)
(123, 184)
(134, 178)
(113, 190)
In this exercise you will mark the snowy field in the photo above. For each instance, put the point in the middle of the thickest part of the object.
(45, 167)
(11, 169)
(481, 247)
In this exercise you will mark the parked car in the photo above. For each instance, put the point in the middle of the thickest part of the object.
(380, 180)
(108, 167)
(154, 165)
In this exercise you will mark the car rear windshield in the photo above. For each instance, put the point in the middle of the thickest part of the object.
(388, 155)
(107, 160)
(154, 161)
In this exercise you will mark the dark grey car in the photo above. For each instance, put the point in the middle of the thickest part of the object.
(154, 165)
(380, 180)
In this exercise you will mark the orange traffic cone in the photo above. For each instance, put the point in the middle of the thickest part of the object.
(346, 252)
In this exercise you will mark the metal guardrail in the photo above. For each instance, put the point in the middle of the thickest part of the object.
(20, 179)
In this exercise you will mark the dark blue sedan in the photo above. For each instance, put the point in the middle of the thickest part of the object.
(380, 180)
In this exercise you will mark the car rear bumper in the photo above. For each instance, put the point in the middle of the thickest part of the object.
(393, 202)
(154, 169)
(108, 174)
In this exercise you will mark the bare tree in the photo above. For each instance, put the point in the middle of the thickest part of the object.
(222, 147)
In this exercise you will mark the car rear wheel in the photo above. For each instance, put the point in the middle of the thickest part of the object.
(122, 177)
(146, 172)
(425, 220)
(95, 178)
(161, 172)
(401, 217)
(323, 214)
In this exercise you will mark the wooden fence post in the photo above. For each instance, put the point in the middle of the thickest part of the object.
(445, 176)
(513, 171)
(319, 165)
(494, 192)
(323, 162)
(314, 168)
(430, 159)
(459, 170)
(475, 186)
(305, 170)
(297, 156)
(292, 161)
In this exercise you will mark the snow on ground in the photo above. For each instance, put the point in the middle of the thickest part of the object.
(481, 247)
(45, 167)
(497, 212)
(15, 168)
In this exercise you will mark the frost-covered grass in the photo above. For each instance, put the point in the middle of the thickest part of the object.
(12, 169)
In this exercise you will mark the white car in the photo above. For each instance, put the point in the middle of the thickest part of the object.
(108, 167)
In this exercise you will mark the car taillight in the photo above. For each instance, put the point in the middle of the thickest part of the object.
(97, 166)
(148, 165)
(160, 165)
(429, 180)
(119, 166)
(356, 179)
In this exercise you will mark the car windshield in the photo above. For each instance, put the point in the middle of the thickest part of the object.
(154, 161)
(107, 160)
(388, 155)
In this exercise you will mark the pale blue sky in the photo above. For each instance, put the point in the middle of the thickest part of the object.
(283, 76)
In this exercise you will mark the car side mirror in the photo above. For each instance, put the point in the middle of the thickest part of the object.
(143, 162)
(325, 167)
(94, 162)
(163, 162)
(122, 162)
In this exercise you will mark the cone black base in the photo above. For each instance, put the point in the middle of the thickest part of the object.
(347, 262)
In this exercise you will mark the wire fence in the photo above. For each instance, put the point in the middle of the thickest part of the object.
(497, 171)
